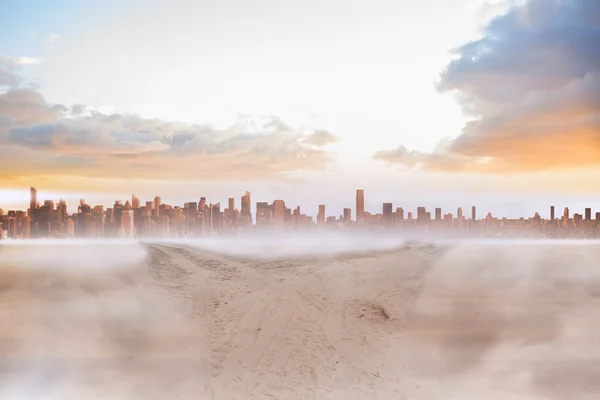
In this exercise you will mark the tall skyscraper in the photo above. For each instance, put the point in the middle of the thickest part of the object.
(246, 206)
(387, 213)
(438, 214)
(215, 217)
(552, 213)
(360, 205)
(117, 213)
(135, 202)
(588, 214)
(566, 214)
(279, 212)
(157, 206)
(127, 226)
(62, 216)
(231, 204)
(459, 213)
(474, 213)
(321, 215)
(33, 199)
(32, 212)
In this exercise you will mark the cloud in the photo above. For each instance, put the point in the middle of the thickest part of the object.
(532, 86)
(51, 39)
(321, 138)
(38, 138)
(8, 69)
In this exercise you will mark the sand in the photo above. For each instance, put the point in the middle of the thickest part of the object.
(217, 320)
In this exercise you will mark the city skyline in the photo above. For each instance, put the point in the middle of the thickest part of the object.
(516, 209)
(135, 218)
(246, 203)
(463, 112)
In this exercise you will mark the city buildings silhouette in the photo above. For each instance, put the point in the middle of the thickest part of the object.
(196, 219)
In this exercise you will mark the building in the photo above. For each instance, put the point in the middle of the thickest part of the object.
(360, 206)
(422, 215)
(552, 213)
(588, 214)
(116, 221)
(321, 215)
(263, 213)
(157, 202)
(347, 215)
(438, 214)
(388, 216)
(399, 214)
(127, 225)
(279, 213)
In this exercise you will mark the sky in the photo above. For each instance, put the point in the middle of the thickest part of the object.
(469, 102)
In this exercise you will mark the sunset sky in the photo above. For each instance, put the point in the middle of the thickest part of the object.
(452, 103)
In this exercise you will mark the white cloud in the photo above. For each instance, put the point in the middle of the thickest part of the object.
(51, 39)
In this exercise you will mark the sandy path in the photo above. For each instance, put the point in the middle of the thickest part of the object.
(302, 328)
(503, 321)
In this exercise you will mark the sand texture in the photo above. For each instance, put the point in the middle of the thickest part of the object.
(411, 321)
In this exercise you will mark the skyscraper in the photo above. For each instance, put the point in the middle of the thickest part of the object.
(263, 213)
(33, 200)
(438, 214)
(347, 215)
(474, 213)
(552, 213)
(321, 215)
(399, 214)
(421, 214)
(135, 202)
(127, 226)
(157, 206)
(246, 207)
(215, 217)
(588, 214)
(279, 212)
(459, 213)
(32, 211)
(360, 205)
(117, 214)
(62, 216)
(387, 213)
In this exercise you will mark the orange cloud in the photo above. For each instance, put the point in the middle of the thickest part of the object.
(532, 84)
(39, 139)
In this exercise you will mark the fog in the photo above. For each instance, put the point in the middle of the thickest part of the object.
(122, 319)
(511, 318)
(78, 320)
(297, 245)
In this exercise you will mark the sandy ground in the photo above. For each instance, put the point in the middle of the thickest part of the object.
(183, 321)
